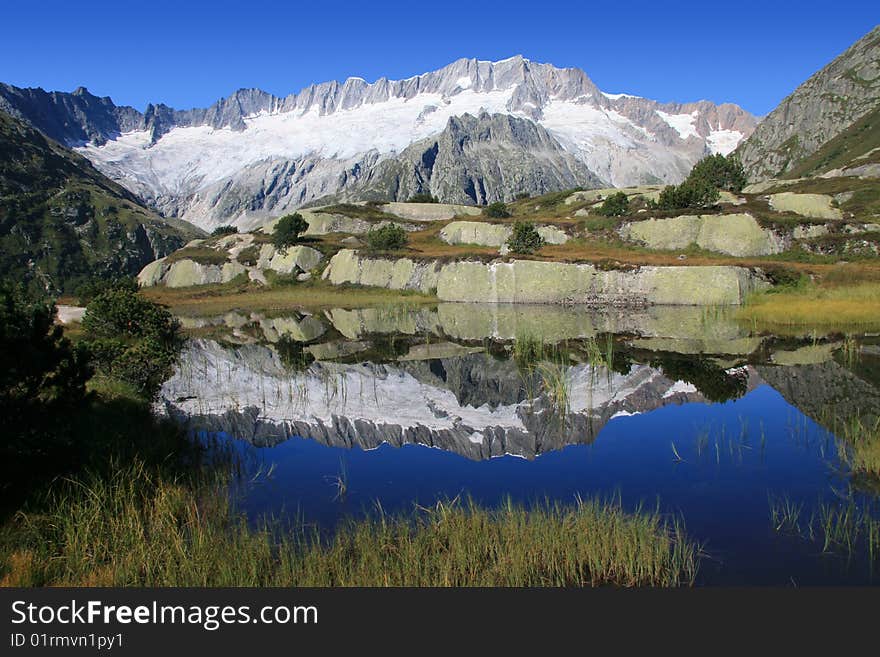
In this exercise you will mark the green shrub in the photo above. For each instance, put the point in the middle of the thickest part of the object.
(525, 238)
(89, 290)
(389, 237)
(131, 339)
(288, 230)
(292, 353)
(692, 193)
(250, 255)
(497, 210)
(522, 196)
(720, 172)
(219, 231)
(42, 382)
(700, 188)
(615, 205)
(422, 198)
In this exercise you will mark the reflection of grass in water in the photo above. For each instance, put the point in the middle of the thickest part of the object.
(555, 386)
(850, 351)
(136, 528)
(340, 481)
(841, 527)
(859, 447)
(785, 515)
(550, 364)
(528, 349)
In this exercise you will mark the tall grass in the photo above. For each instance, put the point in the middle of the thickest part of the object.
(856, 305)
(838, 527)
(859, 448)
(136, 529)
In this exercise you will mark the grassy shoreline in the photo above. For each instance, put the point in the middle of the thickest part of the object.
(217, 299)
(137, 527)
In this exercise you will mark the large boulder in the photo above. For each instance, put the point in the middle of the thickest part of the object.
(475, 232)
(732, 234)
(430, 211)
(818, 206)
(293, 259)
(486, 234)
(347, 266)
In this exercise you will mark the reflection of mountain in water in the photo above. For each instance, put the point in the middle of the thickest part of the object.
(474, 405)
(825, 391)
(445, 376)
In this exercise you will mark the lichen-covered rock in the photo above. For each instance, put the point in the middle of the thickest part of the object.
(400, 274)
(648, 192)
(153, 273)
(475, 232)
(496, 235)
(231, 270)
(809, 231)
(293, 259)
(322, 223)
(430, 211)
(733, 234)
(552, 235)
(529, 281)
(807, 205)
(186, 273)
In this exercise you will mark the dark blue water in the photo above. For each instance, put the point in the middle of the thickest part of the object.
(714, 466)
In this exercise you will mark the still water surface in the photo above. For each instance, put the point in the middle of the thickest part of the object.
(682, 409)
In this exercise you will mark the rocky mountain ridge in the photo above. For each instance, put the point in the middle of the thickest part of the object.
(254, 153)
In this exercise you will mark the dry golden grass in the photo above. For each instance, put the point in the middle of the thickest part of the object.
(845, 306)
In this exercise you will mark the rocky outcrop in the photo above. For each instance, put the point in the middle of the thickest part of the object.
(733, 234)
(528, 281)
(486, 234)
(476, 160)
(225, 259)
(819, 110)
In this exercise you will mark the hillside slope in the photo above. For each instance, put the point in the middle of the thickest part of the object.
(829, 104)
(62, 222)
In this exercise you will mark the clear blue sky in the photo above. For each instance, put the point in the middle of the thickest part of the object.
(189, 54)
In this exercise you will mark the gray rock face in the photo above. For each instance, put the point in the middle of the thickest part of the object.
(477, 160)
(564, 130)
(817, 111)
(72, 119)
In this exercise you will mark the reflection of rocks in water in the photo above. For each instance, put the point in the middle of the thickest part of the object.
(472, 405)
(476, 379)
(825, 391)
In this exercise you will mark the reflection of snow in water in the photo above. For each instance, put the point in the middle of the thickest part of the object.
(212, 379)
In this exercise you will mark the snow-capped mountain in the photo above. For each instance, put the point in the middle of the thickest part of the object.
(253, 155)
